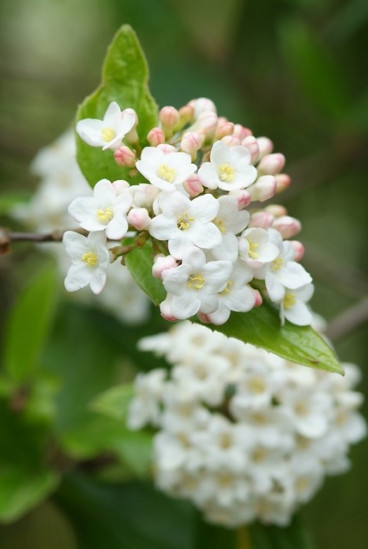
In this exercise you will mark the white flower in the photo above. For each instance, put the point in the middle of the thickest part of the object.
(229, 168)
(105, 210)
(256, 247)
(229, 218)
(109, 132)
(165, 170)
(145, 406)
(185, 223)
(192, 287)
(293, 306)
(90, 260)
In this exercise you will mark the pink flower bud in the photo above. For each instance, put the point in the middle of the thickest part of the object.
(231, 140)
(144, 195)
(287, 226)
(243, 197)
(264, 188)
(298, 250)
(162, 263)
(272, 163)
(276, 210)
(206, 319)
(201, 105)
(120, 186)
(206, 123)
(251, 144)
(124, 156)
(139, 218)
(283, 181)
(224, 128)
(155, 137)
(169, 118)
(193, 186)
(166, 148)
(261, 219)
(186, 115)
(241, 132)
(191, 142)
(166, 311)
(258, 298)
(265, 146)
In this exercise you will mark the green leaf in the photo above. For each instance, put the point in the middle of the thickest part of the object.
(124, 80)
(139, 262)
(21, 490)
(29, 324)
(293, 536)
(114, 402)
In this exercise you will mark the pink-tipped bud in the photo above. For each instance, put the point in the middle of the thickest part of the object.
(258, 298)
(265, 146)
(272, 163)
(169, 118)
(201, 105)
(276, 210)
(264, 188)
(186, 115)
(298, 250)
(166, 312)
(139, 218)
(231, 140)
(130, 113)
(224, 127)
(124, 156)
(243, 197)
(120, 186)
(241, 132)
(162, 263)
(283, 181)
(287, 226)
(193, 186)
(206, 123)
(191, 142)
(251, 144)
(144, 195)
(261, 219)
(205, 319)
(155, 137)
(131, 136)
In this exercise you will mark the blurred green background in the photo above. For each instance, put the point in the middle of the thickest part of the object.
(294, 70)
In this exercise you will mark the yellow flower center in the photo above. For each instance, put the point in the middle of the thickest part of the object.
(90, 258)
(289, 300)
(105, 214)
(220, 224)
(301, 484)
(253, 246)
(195, 281)
(226, 173)
(108, 134)
(257, 385)
(259, 454)
(227, 288)
(184, 222)
(277, 264)
(166, 173)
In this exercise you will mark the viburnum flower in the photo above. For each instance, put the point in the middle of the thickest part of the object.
(105, 210)
(229, 168)
(256, 247)
(193, 286)
(184, 223)
(90, 261)
(109, 132)
(165, 170)
(293, 306)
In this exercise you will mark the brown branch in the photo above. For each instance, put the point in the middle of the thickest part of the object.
(349, 320)
(7, 237)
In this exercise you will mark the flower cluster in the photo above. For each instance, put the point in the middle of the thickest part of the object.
(242, 433)
(204, 179)
(61, 181)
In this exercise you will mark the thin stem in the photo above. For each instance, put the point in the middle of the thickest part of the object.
(7, 236)
(349, 320)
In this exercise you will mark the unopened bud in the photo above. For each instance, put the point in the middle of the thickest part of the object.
(276, 210)
(169, 118)
(272, 163)
(265, 146)
(241, 132)
(231, 140)
(206, 123)
(298, 250)
(166, 310)
(287, 226)
(155, 137)
(201, 105)
(132, 136)
(162, 263)
(124, 156)
(191, 142)
(144, 195)
(186, 115)
(283, 181)
(264, 188)
(166, 148)
(193, 186)
(261, 219)
(251, 144)
(139, 218)
(224, 127)
(120, 185)
(205, 319)
(243, 197)
(258, 298)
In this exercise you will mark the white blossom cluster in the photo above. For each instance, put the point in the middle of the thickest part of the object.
(242, 433)
(204, 180)
(61, 181)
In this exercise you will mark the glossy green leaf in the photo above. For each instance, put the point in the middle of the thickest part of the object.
(294, 536)
(124, 80)
(29, 324)
(139, 262)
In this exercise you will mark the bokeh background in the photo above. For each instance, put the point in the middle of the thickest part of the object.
(294, 70)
